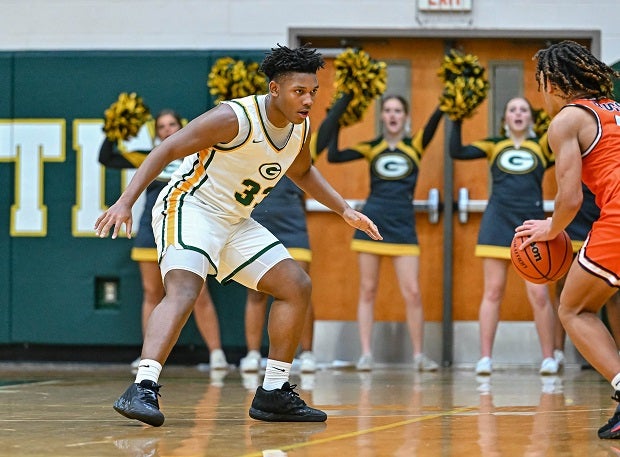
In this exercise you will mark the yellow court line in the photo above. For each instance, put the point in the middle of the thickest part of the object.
(363, 432)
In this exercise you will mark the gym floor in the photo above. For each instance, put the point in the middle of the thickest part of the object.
(66, 410)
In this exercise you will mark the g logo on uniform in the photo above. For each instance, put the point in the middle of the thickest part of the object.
(517, 161)
(392, 166)
(270, 170)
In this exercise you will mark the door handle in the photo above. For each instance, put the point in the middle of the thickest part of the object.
(466, 206)
(432, 205)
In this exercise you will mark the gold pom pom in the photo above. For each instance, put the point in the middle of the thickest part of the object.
(541, 121)
(125, 117)
(230, 78)
(465, 86)
(363, 77)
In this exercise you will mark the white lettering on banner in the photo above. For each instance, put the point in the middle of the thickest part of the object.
(89, 179)
(90, 176)
(29, 143)
(444, 5)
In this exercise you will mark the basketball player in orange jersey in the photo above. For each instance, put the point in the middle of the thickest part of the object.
(585, 137)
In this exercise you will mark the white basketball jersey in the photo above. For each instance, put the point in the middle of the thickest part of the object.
(231, 181)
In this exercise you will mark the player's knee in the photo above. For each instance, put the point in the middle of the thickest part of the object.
(183, 288)
(304, 286)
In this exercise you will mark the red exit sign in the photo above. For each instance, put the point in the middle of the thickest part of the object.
(444, 5)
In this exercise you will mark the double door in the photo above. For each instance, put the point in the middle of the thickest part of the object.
(450, 275)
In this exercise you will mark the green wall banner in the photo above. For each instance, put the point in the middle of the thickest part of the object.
(59, 283)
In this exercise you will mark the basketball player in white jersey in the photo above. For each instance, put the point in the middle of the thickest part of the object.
(203, 227)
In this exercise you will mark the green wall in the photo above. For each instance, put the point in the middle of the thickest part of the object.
(6, 182)
(47, 283)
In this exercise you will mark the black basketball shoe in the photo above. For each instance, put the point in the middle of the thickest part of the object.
(611, 430)
(283, 405)
(140, 402)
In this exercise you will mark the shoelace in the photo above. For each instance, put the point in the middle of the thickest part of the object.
(289, 389)
(146, 394)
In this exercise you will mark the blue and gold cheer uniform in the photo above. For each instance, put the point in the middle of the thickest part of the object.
(393, 176)
(283, 213)
(516, 192)
(144, 249)
(581, 225)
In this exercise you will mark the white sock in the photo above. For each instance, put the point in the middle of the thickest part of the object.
(615, 383)
(148, 369)
(276, 374)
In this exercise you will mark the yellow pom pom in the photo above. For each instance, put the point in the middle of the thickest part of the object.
(363, 77)
(124, 118)
(541, 121)
(465, 86)
(230, 78)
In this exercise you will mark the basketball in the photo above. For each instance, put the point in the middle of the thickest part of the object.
(542, 261)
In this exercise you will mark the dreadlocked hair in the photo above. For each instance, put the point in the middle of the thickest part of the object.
(282, 60)
(573, 69)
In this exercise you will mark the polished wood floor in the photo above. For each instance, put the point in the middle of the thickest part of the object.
(65, 410)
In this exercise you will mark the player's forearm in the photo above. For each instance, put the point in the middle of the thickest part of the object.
(564, 211)
(315, 185)
(147, 172)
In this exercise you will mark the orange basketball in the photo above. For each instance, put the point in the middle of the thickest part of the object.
(542, 261)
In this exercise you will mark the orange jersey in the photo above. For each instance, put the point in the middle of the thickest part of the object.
(600, 254)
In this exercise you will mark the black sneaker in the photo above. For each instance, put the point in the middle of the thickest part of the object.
(611, 430)
(140, 402)
(283, 405)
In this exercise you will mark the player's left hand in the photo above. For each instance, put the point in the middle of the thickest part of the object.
(361, 222)
(534, 230)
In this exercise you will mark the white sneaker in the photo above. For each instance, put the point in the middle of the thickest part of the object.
(251, 362)
(559, 357)
(484, 366)
(217, 360)
(134, 366)
(549, 366)
(423, 363)
(308, 362)
(364, 363)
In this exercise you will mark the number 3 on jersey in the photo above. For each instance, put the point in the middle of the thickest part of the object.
(252, 189)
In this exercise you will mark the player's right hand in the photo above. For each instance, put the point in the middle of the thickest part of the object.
(113, 219)
(362, 222)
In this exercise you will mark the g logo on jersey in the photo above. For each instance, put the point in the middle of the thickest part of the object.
(392, 166)
(517, 161)
(270, 170)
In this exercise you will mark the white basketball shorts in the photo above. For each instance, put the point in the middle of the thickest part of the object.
(196, 238)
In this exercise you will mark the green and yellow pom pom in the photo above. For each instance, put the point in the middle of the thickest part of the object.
(125, 117)
(465, 85)
(230, 78)
(365, 78)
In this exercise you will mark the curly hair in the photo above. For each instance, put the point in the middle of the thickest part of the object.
(283, 60)
(573, 69)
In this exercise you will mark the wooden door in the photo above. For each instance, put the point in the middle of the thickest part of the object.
(334, 266)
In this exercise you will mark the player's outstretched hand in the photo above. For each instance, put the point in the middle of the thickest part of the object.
(117, 215)
(361, 222)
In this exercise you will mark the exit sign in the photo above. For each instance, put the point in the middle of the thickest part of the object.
(444, 5)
